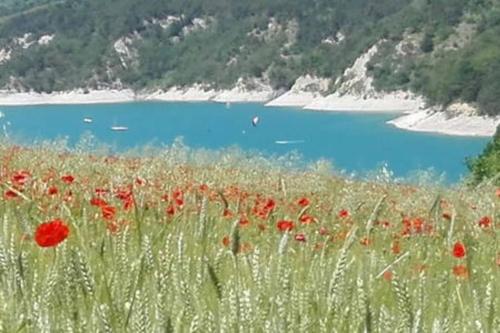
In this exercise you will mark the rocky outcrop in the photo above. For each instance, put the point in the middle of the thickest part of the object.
(305, 90)
(22, 43)
(354, 91)
(126, 51)
(247, 90)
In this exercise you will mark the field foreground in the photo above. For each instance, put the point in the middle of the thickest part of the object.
(92, 243)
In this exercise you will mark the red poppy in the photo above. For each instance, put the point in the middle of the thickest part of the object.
(270, 205)
(108, 212)
(98, 202)
(396, 247)
(9, 194)
(128, 202)
(285, 225)
(203, 187)
(124, 193)
(498, 192)
(461, 271)
(179, 202)
(20, 177)
(52, 233)
(52, 190)
(300, 237)
(227, 213)
(244, 221)
(418, 225)
(365, 241)
(170, 210)
(303, 202)
(126, 196)
(307, 219)
(485, 222)
(178, 194)
(100, 191)
(447, 216)
(68, 179)
(388, 276)
(226, 241)
(344, 213)
(459, 250)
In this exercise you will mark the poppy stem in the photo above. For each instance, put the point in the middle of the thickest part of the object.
(392, 264)
(460, 300)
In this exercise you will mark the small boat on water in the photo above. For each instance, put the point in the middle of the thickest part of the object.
(255, 121)
(119, 128)
(87, 120)
(288, 142)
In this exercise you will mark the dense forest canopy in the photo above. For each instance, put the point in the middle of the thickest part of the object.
(158, 43)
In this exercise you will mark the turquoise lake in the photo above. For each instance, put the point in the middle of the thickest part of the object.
(353, 142)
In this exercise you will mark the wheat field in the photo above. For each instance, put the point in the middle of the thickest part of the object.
(169, 243)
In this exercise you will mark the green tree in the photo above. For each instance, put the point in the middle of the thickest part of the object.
(487, 165)
(427, 44)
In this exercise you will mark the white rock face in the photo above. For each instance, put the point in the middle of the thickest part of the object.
(165, 22)
(275, 29)
(305, 90)
(4, 55)
(462, 34)
(246, 90)
(409, 45)
(25, 41)
(45, 39)
(355, 92)
(197, 24)
(124, 47)
(335, 40)
(355, 80)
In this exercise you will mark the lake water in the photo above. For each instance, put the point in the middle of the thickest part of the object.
(353, 142)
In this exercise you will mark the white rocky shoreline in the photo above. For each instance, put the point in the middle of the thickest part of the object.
(411, 113)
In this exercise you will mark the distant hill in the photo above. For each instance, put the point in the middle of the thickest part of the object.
(447, 50)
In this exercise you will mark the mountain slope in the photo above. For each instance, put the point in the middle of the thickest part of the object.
(159, 44)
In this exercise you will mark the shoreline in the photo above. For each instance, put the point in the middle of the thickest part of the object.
(409, 112)
(429, 121)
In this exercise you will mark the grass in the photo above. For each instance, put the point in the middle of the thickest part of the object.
(198, 249)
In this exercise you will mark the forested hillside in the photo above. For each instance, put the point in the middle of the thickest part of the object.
(447, 50)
